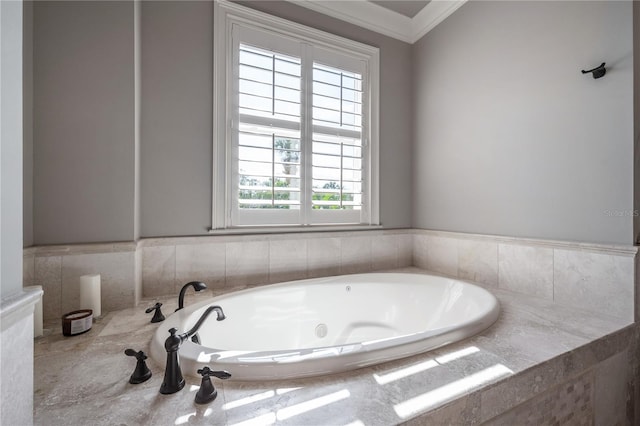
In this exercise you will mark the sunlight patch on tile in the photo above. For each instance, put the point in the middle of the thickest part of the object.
(257, 397)
(383, 379)
(457, 355)
(282, 391)
(248, 400)
(449, 391)
(312, 404)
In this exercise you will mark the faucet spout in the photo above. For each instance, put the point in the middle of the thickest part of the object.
(203, 317)
(197, 286)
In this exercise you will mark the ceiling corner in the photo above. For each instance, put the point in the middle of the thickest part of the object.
(376, 18)
(431, 15)
(363, 14)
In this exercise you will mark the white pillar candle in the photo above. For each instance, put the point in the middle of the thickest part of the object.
(90, 294)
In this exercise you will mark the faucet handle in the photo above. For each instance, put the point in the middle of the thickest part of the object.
(207, 372)
(157, 316)
(142, 372)
(207, 391)
(140, 355)
(221, 374)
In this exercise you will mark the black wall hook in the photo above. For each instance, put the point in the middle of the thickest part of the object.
(598, 71)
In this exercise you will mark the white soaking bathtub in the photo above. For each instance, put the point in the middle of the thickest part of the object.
(328, 325)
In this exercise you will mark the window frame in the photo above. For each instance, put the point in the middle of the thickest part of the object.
(226, 16)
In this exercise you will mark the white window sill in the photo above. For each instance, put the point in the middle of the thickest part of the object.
(248, 230)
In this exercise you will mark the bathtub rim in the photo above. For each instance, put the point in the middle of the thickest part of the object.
(257, 365)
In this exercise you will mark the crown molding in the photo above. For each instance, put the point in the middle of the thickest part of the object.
(431, 15)
(364, 14)
(384, 21)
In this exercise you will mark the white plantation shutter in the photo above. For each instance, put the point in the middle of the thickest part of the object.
(337, 160)
(267, 139)
(299, 117)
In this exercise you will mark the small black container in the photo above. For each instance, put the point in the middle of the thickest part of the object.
(77, 322)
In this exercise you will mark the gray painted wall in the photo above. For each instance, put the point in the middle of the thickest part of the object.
(83, 122)
(504, 149)
(84, 126)
(176, 149)
(510, 138)
(27, 119)
(137, 39)
(176, 118)
(10, 147)
(636, 118)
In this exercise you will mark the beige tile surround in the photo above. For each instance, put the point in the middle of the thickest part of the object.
(598, 278)
(59, 268)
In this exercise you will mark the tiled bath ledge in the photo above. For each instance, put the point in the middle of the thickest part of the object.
(539, 364)
(596, 277)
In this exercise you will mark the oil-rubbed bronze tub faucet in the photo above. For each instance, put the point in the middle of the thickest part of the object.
(173, 380)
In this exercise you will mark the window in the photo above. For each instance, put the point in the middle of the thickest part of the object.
(296, 139)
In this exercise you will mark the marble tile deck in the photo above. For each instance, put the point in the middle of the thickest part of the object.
(83, 379)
